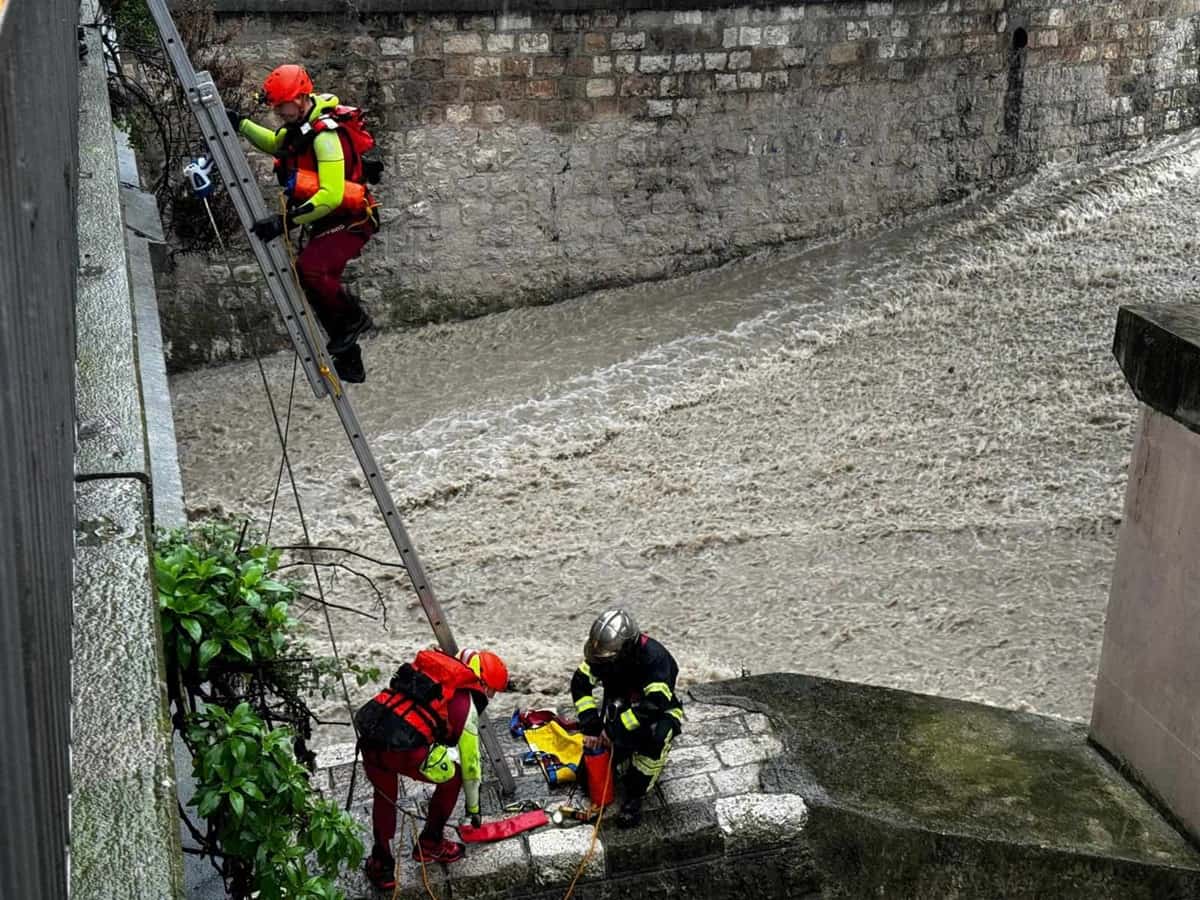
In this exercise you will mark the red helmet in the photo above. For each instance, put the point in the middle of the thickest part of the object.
(286, 83)
(490, 668)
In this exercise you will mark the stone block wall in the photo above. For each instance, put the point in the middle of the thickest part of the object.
(709, 828)
(537, 155)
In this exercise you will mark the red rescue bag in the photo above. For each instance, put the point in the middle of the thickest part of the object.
(598, 765)
(505, 828)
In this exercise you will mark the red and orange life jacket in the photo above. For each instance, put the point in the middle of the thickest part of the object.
(413, 709)
(296, 161)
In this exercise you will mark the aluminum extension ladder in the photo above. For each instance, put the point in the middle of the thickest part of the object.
(227, 152)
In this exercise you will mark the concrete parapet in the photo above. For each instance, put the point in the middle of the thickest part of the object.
(841, 790)
(1144, 712)
(124, 824)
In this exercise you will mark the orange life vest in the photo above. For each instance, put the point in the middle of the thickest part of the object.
(419, 695)
(296, 162)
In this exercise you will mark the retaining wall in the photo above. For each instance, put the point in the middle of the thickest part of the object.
(538, 154)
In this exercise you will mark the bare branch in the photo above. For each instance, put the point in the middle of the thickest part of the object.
(346, 550)
(332, 605)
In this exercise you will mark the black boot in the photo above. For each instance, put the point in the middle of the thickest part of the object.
(349, 365)
(347, 336)
(630, 815)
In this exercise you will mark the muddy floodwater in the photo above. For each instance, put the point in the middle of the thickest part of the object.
(897, 459)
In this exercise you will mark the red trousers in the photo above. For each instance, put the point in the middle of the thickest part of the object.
(384, 768)
(320, 265)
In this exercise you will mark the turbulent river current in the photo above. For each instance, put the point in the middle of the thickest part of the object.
(898, 458)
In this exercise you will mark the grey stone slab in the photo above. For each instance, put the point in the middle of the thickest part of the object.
(974, 800)
(739, 780)
(696, 712)
(711, 730)
(490, 869)
(667, 836)
(692, 761)
(742, 751)
(165, 477)
(753, 821)
(108, 395)
(140, 212)
(557, 853)
(691, 787)
(757, 723)
(411, 879)
(1144, 712)
(124, 829)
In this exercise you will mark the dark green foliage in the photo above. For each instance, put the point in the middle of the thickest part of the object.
(219, 604)
(236, 665)
(269, 819)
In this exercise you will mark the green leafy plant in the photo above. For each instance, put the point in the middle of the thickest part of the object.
(238, 677)
(274, 826)
(219, 606)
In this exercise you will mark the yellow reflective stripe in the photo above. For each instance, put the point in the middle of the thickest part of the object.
(587, 670)
(677, 713)
(660, 687)
(648, 766)
(652, 768)
(583, 704)
(629, 720)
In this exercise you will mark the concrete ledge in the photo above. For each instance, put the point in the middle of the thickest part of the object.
(789, 786)
(917, 796)
(108, 398)
(1158, 349)
(143, 227)
(124, 823)
(384, 7)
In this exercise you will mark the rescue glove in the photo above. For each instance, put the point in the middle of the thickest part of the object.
(590, 723)
(476, 818)
(269, 228)
(235, 118)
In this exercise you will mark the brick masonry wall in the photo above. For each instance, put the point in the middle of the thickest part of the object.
(538, 155)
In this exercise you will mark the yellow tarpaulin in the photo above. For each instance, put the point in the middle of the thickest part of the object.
(551, 738)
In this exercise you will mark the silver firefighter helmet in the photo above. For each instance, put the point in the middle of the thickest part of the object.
(611, 633)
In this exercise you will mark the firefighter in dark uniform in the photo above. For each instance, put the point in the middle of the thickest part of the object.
(641, 713)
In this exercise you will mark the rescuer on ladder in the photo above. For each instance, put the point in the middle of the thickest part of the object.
(428, 706)
(319, 163)
(641, 713)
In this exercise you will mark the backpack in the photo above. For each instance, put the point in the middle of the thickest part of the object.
(352, 121)
(412, 710)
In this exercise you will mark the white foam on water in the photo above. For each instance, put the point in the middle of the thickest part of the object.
(902, 464)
